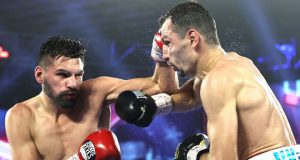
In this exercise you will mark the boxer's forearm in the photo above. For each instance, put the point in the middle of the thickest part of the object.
(185, 99)
(166, 78)
(164, 75)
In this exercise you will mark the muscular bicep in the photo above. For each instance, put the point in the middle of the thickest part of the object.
(18, 133)
(219, 102)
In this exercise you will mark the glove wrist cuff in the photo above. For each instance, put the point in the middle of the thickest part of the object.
(195, 152)
(164, 103)
(74, 157)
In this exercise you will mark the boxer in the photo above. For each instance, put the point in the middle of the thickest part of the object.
(244, 118)
(52, 124)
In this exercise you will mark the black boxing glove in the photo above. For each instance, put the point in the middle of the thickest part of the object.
(138, 108)
(192, 147)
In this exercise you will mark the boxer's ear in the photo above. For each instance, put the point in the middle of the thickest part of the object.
(194, 37)
(38, 73)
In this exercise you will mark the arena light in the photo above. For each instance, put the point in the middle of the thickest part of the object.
(3, 53)
(291, 93)
(289, 51)
(291, 99)
(298, 87)
(287, 88)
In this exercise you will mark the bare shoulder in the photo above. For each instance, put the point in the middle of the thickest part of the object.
(223, 76)
(20, 112)
(25, 109)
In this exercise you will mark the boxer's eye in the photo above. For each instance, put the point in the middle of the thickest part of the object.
(79, 75)
(63, 74)
(167, 43)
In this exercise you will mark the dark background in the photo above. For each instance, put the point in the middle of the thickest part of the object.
(118, 36)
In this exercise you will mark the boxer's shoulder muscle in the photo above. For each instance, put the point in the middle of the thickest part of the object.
(223, 77)
(220, 87)
(18, 123)
(20, 111)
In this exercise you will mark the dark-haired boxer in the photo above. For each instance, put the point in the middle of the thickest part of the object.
(244, 118)
(53, 124)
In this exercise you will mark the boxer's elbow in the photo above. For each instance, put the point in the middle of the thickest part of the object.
(168, 88)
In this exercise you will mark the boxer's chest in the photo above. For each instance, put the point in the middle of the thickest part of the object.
(60, 138)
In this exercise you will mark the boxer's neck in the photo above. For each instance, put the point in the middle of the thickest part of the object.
(208, 60)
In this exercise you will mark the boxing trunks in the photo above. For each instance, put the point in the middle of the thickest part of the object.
(284, 153)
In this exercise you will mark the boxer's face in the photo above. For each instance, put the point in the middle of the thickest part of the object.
(175, 50)
(62, 81)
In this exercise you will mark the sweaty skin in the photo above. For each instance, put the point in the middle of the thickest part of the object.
(244, 118)
(39, 129)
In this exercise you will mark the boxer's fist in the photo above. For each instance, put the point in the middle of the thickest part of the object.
(156, 51)
(100, 145)
(138, 108)
(135, 107)
(192, 147)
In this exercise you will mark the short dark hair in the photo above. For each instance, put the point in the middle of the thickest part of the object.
(192, 14)
(58, 46)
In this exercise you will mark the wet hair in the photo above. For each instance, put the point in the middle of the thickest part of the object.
(192, 14)
(58, 46)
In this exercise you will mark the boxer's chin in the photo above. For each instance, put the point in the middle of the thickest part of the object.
(66, 101)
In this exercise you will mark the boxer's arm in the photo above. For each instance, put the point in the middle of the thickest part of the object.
(18, 133)
(163, 80)
(138, 108)
(166, 78)
(105, 117)
(185, 99)
(219, 100)
(164, 75)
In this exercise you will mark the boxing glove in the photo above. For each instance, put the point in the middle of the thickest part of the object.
(192, 147)
(157, 46)
(100, 145)
(138, 108)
